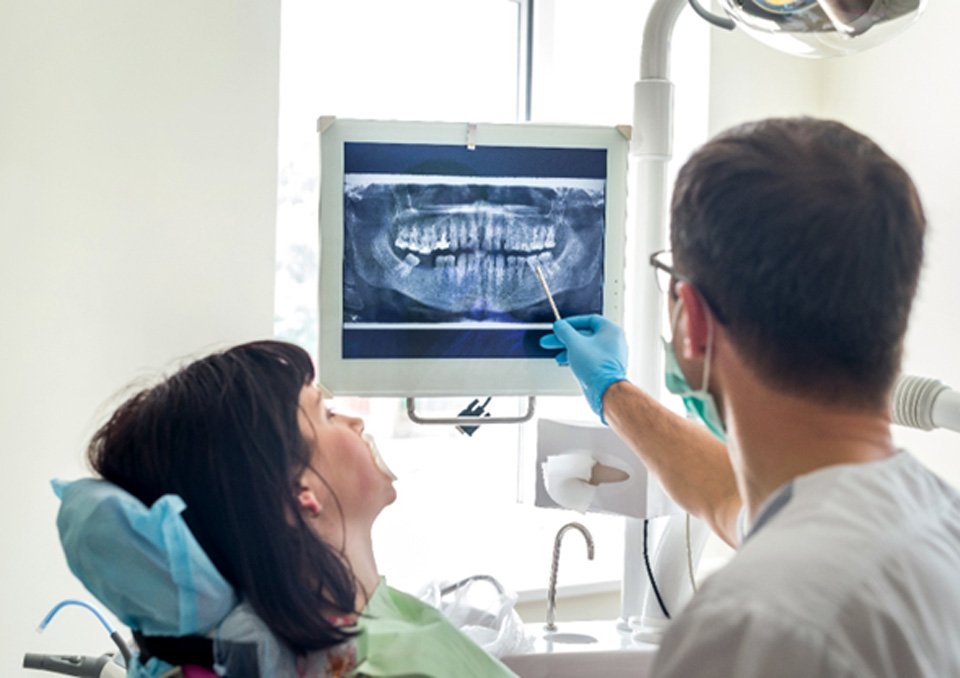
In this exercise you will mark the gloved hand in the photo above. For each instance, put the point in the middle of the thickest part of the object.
(596, 351)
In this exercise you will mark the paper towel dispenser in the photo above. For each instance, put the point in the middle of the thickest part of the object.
(567, 452)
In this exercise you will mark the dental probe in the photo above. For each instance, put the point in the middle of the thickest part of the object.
(546, 288)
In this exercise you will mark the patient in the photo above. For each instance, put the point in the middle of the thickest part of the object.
(281, 494)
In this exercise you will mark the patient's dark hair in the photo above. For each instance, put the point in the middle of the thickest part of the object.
(223, 434)
(806, 240)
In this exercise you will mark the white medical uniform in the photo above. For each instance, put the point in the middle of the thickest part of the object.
(852, 570)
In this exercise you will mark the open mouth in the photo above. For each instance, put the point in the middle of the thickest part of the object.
(377, 458)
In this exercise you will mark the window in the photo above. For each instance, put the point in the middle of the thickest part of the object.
(458, 511)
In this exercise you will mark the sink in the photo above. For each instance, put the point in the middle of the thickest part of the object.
(586, 648)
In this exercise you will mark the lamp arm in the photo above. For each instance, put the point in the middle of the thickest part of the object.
(651, 148)
(715, 19)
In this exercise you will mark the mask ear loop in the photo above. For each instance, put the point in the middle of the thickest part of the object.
(709, 356)
(674, 317)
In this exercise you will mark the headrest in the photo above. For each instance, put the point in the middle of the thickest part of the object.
(142, 563)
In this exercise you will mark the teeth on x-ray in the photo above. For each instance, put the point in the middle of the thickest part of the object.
(408, 264)
(436, 240)
(470, 249)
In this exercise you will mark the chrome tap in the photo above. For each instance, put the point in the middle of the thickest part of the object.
(552, 589)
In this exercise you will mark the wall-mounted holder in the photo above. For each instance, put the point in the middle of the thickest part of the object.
(562, 483)
(473, 420)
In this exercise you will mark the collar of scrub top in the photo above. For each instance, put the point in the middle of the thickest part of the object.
(768, 510)
(142, 563)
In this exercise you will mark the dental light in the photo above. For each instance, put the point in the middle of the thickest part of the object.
(817, 28)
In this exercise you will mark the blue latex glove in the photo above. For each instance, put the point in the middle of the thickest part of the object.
(596, 351)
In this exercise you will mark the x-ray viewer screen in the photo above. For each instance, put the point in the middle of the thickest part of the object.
(440, 244)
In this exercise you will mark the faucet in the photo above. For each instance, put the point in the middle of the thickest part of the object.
(552, 589)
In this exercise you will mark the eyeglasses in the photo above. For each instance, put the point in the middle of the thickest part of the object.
(665, 273)
(667, 277)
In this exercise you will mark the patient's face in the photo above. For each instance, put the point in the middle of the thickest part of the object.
(344, 460)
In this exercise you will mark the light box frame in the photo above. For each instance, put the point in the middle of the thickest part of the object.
(445, 376)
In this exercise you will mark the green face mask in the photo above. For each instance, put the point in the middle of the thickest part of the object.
(699, 403)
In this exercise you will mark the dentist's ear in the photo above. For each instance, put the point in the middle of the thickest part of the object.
(695, 320)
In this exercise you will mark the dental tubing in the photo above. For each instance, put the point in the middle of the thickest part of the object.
(114, 634)
(75, 665)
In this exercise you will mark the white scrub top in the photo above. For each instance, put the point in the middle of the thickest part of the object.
(852, 570)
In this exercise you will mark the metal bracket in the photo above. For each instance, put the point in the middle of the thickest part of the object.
(324, 122)
(471, 421)
(471, 136)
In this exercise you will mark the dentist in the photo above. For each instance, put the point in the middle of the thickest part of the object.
(796, 251)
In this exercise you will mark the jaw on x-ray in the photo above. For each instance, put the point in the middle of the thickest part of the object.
(445, 252)
(440, 244)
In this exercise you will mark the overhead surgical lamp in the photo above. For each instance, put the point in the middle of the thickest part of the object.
(817, 28)
(810, 28)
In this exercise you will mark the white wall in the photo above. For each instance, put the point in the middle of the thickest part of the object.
(749, 81)
(137, 208)
(905, 95)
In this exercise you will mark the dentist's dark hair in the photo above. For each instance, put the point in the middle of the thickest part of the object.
(223, 433)
(806, 240)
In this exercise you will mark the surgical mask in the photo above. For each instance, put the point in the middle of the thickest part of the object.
(699, 403)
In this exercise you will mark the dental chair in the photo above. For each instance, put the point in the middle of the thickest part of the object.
(146, 567)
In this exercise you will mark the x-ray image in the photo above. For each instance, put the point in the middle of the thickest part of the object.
(440, 245)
